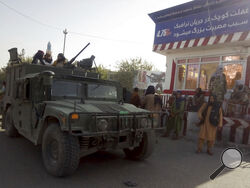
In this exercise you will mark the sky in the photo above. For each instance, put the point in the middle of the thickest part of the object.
(116, 29)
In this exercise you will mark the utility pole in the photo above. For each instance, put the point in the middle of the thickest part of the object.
(65, 32)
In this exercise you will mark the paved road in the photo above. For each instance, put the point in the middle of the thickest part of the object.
(173, 164)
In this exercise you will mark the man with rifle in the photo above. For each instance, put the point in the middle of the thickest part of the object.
(62, 61)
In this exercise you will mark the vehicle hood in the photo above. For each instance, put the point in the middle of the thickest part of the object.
(68, 106)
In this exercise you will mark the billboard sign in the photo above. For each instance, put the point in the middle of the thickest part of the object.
(144, 79)
(223, 20)
(192, 7)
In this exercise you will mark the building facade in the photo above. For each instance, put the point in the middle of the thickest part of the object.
(198, 36)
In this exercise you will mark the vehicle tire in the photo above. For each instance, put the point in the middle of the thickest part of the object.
(145, 148)
(10, 129)
(60, 151)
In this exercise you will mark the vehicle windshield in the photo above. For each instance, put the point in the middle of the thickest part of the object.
(62, 88)
(66, 89)
(102, 91)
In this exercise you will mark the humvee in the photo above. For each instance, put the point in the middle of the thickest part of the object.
(73, 113)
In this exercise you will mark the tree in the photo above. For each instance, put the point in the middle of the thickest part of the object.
(103, 71)
(2, 74)
(26, 59)
(107, 74)
(134, 65)
(127, 70)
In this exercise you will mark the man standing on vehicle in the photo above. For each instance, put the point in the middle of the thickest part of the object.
(61, 61)
(38, 58)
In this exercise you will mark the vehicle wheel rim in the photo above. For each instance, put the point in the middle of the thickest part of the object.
(53, 151)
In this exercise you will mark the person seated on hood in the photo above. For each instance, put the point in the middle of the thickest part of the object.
(61, 61)
(38, 58)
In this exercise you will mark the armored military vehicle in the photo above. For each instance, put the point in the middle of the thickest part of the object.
(73, 113)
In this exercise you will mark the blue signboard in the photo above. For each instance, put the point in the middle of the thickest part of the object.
(223, 20)
(189, 8)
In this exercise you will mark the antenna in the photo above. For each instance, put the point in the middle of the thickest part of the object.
(65, 32)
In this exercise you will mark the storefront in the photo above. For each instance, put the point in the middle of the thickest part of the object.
(197, 37)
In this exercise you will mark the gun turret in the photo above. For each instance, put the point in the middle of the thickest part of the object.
(86, 63)
(74, 58)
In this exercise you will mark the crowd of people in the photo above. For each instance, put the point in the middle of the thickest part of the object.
(210, 113)
(153, 102)
(150, 100)
(46, 59)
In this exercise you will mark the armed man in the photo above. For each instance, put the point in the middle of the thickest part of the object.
(60, 61)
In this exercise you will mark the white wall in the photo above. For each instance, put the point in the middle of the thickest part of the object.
(169, 65)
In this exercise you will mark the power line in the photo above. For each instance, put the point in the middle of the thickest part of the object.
(58, 28)
(29, 17)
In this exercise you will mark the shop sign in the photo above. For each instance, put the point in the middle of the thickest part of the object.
(189, 8)
(225, 20)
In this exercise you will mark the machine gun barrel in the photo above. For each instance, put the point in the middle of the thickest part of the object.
(73, 59)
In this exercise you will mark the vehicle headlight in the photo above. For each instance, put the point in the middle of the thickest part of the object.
(144, 123)
(102, 125)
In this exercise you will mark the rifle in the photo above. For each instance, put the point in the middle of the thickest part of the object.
(74, 58)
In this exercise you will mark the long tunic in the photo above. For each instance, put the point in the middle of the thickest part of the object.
(149, 103)
(208, 131)
(176, 121)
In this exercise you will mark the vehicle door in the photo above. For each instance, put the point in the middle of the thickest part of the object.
(22, 107)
